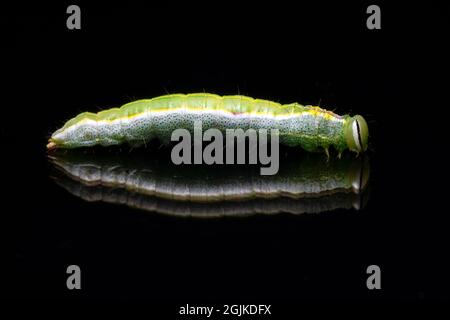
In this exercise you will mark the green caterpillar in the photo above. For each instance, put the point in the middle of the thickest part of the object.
(309, 127)
(307, 184)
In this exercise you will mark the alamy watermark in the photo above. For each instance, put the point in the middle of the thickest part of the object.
(374, 20)
(74, 279)
(374, 280)
(74, 19)
(213, 153)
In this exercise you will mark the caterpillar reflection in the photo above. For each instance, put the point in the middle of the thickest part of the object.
(303, 185)
(135, 123)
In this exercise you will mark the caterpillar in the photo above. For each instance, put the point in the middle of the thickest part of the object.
(303, 185)
(135, 123)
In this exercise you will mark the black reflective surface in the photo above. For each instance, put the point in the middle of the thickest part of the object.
(312, 53)
(309, 183)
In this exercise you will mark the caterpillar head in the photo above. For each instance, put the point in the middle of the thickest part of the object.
(357, 134)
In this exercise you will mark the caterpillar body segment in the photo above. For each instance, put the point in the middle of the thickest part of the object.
(309, 127)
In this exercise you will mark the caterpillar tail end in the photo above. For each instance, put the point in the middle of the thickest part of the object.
(51, 145)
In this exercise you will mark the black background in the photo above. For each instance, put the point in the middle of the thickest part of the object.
(308, 52)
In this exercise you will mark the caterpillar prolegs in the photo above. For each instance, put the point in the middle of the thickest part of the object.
(309, 127)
